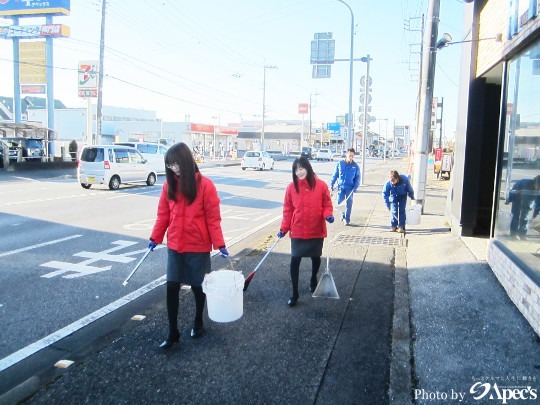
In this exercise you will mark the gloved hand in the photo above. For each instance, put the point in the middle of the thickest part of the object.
(281, 234)
(152, 245)
(224, 253)
(330, 219)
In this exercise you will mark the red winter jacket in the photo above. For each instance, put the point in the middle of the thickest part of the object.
(304, 212)
(190, 228)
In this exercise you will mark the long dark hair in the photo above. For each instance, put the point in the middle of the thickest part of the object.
(304, 163)
(187, 182)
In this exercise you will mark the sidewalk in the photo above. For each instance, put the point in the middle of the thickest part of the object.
(418, 318)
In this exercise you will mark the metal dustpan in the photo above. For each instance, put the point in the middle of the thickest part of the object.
(326, 287)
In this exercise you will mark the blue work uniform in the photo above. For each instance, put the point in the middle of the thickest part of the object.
(395, 198)
(347, 175)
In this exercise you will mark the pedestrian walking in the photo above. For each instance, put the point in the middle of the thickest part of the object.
(189, 212)
(395, 193)
(347, 175)
(306, 206)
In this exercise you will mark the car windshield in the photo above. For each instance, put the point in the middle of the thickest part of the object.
(252, 154)
(34, 143)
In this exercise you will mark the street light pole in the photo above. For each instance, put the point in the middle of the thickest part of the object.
(350, 133)
(264, 103)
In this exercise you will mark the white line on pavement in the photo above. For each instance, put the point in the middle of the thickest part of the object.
(75, 326)
(38, 245)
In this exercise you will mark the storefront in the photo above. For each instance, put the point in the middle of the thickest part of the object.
(495, 190)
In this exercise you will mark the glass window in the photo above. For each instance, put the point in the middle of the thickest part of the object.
(151, 149)
(517, 224)
(92, 155)
(121, 155)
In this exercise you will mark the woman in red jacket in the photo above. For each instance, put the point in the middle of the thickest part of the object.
(307, 204)
(189, 212)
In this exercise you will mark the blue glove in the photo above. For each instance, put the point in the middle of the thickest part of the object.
(152, 245)
(224, 253)
(330, 219)
(281, 234)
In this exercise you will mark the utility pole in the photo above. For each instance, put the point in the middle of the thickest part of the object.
(424, 106)
(100, 77)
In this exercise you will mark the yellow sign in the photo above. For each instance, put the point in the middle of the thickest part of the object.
(32, 62)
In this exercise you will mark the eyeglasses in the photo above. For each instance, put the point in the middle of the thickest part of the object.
(173, 166)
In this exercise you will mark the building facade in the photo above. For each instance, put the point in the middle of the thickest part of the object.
(495, 189)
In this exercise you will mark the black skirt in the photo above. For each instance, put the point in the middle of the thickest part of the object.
(306, 247)
(187, 268)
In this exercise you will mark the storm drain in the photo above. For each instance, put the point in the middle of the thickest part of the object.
(371, 240)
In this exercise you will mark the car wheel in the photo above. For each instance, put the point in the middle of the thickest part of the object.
(86, 185)
(261, 168)
(151, 180)
(114, 183)
(272, 168)
(243, 168)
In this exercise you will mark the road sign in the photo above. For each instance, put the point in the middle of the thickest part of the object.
(363, 98)
(363, 81)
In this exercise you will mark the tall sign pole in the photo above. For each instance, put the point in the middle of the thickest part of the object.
(100, 79)
(426, 97)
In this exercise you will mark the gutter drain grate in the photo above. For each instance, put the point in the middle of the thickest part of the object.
(370, 240)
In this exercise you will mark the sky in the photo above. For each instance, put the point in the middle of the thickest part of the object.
(205, 61)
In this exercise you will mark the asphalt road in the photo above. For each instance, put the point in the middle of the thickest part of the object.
(65, 250)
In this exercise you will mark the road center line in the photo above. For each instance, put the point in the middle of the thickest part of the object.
(12, 252)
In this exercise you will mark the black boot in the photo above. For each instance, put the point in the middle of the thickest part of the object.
(295, 270)
(315, 265)
(198, 324)
(173, 295)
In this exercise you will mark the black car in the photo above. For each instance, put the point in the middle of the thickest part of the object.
(307, 152)
(31, 148)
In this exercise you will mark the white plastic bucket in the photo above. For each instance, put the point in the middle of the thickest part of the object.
(414, 212)
(224, 295)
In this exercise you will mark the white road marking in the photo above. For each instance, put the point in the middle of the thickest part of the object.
(29, 350)
(38, 200)
(38, 245)
(83, 268)
(234, 196)
(122, 195)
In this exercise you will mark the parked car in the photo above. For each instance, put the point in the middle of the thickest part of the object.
(257, 160)
(152, 152)
(325, 154)
(307, 151)
(30, 148)
(113, 165)
(276, 154)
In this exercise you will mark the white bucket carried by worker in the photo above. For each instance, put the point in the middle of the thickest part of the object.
(224, 295)
(413, 214)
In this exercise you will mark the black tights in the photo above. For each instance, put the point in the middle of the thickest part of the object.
(173, 295)
(295, 271)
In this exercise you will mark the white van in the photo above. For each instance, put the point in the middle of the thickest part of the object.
(113, 165)
(152, 152)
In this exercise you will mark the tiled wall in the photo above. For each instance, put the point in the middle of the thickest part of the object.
(493, 22)
(520, 288)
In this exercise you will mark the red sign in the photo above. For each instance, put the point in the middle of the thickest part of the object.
(438, 154)
(33, 89)
(303, 108)
(227, 131)
(209, 129)
(87, 92)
